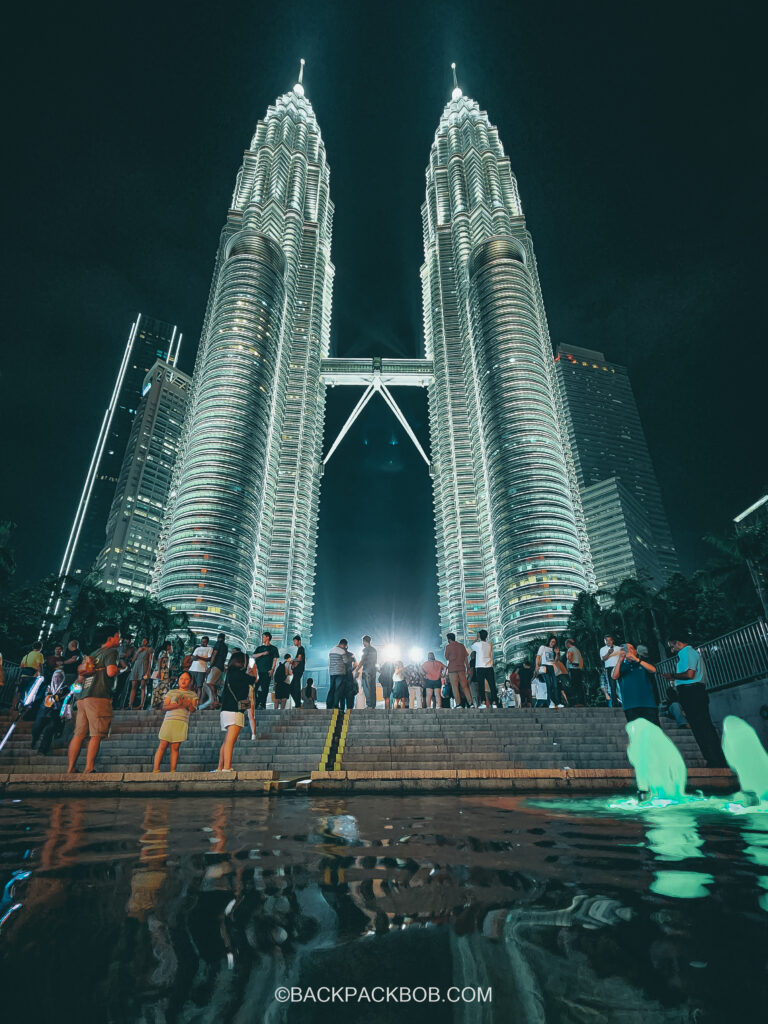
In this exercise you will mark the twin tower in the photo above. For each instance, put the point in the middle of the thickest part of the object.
(239, 544)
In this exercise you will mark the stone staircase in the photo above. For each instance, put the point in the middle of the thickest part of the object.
(289, 741)
(592, 738)
(292, 742)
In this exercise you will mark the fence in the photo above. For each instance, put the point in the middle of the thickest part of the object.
(11, 671)
(740, 656)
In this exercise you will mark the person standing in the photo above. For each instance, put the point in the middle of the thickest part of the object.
(456, 656)
(367, 671)
(525, 672)
(575, 665)
(236, 696)
(142, 664)
(127, 651)
(201, 662)
(514, 682)
(94, 708)
(177, 705)
(350, 686)
(161, 676)
(431, 673)
(309, 695)
(385, 682)
(609, 655)
(72, 658)
(636, 677)
(414, 682)
(546, 657)
(298, 664)
(31, 667)
(485, 675)
(266, 657)
(399, 686)
(218, 661)
(694, 699)
(337, 671)
(282, 682)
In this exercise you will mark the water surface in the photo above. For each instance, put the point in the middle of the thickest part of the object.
(187, 909)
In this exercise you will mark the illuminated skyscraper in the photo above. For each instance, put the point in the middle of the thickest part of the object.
(607, 440)
(512, 552)
(138, 509)
(238, 551)
(148, 340)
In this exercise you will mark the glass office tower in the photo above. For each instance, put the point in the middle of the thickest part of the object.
(149, 339)
(128, 558)
(238, 548)
(607, 440)
(512, 551)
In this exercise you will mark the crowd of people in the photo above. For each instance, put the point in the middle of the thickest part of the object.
(84, 689)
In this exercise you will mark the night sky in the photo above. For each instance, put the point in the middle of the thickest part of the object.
(637, 135)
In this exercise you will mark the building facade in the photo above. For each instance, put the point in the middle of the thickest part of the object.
(512, 551)
(149, 339)
(238, 547)
(127, 560)
(607, 441)
(621, 537)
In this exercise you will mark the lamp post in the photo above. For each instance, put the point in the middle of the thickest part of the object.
(754, 571)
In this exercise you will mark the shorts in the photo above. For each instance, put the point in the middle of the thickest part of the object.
(227, 718)
(94, 717)
(431, 684)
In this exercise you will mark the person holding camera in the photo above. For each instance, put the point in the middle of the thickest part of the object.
(638, 699)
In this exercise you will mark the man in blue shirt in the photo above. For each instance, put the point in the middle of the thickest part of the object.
(636, 677)
(689, 683)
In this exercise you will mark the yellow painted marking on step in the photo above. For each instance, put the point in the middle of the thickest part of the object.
(328, 740)
(342, 740)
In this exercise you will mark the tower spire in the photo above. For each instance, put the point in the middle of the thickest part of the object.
(456, 94)
(299, 88)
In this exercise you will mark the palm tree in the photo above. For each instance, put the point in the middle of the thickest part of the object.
(638, 604)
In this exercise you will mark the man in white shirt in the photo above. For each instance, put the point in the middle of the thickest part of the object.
(201, 660)
(692, 691)
(485, 677)
(609, 655)
(546, 657)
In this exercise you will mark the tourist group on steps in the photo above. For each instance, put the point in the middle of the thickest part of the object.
(69, 686)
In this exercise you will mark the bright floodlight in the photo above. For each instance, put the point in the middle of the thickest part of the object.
(416, 654)
(391, 652)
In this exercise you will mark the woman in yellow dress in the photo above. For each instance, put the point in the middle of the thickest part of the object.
(177, 706)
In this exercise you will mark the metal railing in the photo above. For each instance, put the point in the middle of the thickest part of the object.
(12, 672)
(738, 657)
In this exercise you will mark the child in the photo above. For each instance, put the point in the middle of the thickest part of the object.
(177, 706)
(282, 682)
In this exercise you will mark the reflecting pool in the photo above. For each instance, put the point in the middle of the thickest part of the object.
(200, 910)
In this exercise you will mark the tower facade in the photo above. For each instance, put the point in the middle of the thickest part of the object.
(238, 548)
(128, 557)
(149, 339)
(607, 440)
(512, 552)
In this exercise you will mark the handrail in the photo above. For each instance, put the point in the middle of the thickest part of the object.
(735, 658)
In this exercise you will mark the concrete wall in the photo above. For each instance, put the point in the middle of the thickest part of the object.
(744, 701)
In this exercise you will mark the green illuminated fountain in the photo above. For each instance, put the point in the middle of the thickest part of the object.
(746, 755)
(659, 767)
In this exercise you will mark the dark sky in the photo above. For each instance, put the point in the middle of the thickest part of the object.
(637, 134)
